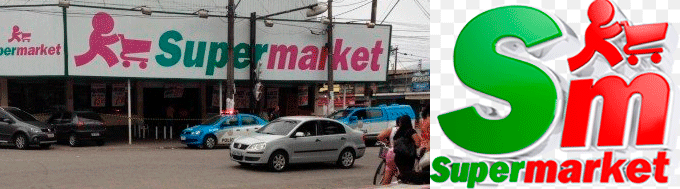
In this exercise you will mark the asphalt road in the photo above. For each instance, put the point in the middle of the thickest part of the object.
(165, 165)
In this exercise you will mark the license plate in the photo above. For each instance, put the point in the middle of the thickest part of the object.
(95, 134)
(50, 135)
(236, 154)
(182, 138)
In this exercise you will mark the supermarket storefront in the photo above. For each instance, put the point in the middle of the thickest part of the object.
(173, 61)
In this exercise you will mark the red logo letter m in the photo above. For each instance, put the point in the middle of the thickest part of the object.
(618, 111)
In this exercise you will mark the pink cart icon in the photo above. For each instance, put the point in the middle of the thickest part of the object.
(132, 46)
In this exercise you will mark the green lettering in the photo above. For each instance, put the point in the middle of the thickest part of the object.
(189, 61)
(499, 175)
(212, 57)
(475, 168)
(516, 167)
(259, 50)
(241, 56)
(439, 165)
(172, 49)
(462, 176)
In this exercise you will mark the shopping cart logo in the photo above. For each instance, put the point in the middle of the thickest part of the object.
(19, 36)
(620, 97)
(101, 38)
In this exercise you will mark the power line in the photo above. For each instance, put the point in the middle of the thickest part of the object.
(388, 13)
(422, 9)
(352, 9)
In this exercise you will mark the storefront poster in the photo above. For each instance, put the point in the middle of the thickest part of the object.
(119, 96)
(272, 97)
(106, 44)
(98, 95)
(242, 97)
(31, 43)
(303, 95)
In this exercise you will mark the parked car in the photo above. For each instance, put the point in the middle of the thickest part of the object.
(299, 139)
(221, 130)
(22, 129)
(77, 127)
(373, 120)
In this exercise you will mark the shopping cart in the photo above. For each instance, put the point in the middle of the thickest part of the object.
(642, 34)
(131, 46)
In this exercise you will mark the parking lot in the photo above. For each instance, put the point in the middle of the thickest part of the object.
(165, 165)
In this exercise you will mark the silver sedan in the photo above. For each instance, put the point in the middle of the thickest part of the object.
(299, 139)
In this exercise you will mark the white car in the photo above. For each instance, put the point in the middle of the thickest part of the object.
(300, 139)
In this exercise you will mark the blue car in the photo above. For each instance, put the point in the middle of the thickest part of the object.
(220, 130)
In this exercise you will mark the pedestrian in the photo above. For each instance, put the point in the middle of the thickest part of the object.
(274, 113)
(406, 141)
(387, 137)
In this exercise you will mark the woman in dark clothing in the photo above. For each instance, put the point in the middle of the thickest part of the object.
(405, 145)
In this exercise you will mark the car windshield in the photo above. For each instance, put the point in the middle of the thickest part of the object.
(21, 115)
(214, 120)
(339, 114)
(278, 127)
(90, 116)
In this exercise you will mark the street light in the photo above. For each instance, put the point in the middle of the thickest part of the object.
(202, 13)
(64, 3)
(317, 10)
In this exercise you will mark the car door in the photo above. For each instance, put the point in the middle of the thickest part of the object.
(6, 129)
(306, 148)
(375, 121)
(360, 123)
(333, 137)
(249, 123)
(228, 130)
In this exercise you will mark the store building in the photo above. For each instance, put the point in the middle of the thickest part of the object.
(84, 58)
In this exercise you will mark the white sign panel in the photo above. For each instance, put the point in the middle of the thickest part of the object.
(31, 43)
(156, 46)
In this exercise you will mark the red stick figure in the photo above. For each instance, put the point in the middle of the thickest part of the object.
(16, 35)
(600, 12)
(102, 23)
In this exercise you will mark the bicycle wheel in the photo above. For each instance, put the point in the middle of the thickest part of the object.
(379, 174)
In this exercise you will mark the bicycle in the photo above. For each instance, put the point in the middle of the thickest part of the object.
(380, 172)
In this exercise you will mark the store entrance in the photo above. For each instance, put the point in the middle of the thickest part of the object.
(157, 106)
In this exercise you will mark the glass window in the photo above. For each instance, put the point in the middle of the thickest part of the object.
(339, 114)
(90, 116)
(230, 121)
(278, 127)
(213, 120)
(248, 120)
(361, 114)
(21, 115)
(308, 128)
(332, 128)
(54, 118)
(375, 114)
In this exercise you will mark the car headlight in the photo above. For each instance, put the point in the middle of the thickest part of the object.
(196, 133)
(35, 130)
(257, 147)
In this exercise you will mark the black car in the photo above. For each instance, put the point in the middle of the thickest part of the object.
(22, 129)
(76, 127)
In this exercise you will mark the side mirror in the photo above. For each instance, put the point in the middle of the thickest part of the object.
(353, 119)
(299, 134)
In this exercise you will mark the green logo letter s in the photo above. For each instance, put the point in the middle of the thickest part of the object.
(530, 91)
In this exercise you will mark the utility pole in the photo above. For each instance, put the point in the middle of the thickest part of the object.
(396, 54)
(253, 65)
(374, 12)
(331, 100)
(230, 64)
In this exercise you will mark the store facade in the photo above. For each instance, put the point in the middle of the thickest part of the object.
(85, 59)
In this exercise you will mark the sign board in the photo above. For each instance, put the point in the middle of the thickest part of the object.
(303, 95)
(119, 97)
(31, 42)
(98, 92)
(109, 45)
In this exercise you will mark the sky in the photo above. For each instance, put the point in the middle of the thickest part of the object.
(410, 26)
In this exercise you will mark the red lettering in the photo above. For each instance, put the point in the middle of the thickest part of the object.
(660, 165)
(654, 91)
(632, 170)
(340, 55)
(608, 169)
(540, 167)
(284, 52)
(360, 59)
(572, 174)
(589, 173)
(376, 51)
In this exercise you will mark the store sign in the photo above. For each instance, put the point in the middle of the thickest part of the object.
(119, 95)
(31, 43)
(98, 92)
(121, 46)
(621, 101)
(420, 82)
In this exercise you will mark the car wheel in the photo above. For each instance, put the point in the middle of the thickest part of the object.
(278, 161)
(21, 141)
(346, 159)
(45, 146)
(209, 142)
(73, 140)
(100, 142)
